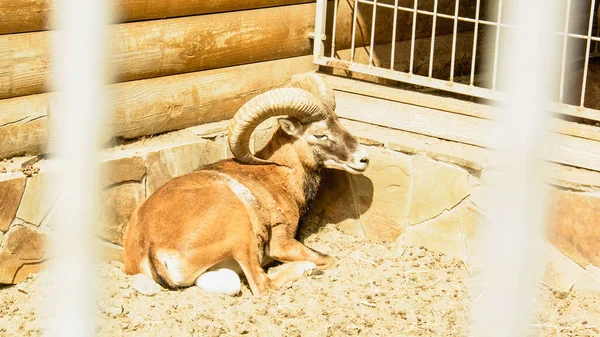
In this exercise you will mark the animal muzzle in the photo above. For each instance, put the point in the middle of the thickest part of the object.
(359, 160)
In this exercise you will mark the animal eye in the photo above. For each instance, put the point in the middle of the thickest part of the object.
(320, 137)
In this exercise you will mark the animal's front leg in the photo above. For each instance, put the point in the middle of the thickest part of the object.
(283, 247)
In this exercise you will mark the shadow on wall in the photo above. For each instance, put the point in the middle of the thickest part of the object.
(574, 81)
(341, 197)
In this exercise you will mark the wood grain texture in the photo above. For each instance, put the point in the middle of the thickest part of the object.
(25, 64)
(151, 106)
(452, 105)
(559, 148)
(17, 16)
(24, 125)
(148, 49)
(165, 47)
(416, 119)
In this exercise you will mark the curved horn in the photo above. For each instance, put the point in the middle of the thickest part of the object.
(291, 102)
(315, 84)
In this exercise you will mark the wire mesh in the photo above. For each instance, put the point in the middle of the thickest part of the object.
(464, 75)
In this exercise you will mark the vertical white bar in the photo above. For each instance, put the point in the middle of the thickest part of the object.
(355, 12)
(320, 18)
(373, 22)
(414, 35)
(431, 50)
(79, 61)
(563, 64)
(334, 29)
(474, 56)
(513, 238)
(454, 33)
(587, 53)
(393, 56)
(497, 45)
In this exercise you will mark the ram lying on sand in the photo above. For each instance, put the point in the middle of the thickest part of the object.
(244, 212)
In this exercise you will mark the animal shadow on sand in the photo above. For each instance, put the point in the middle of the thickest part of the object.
(341, 196)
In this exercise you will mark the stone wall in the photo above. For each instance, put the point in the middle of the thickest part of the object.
(432, 193)
(418, 190)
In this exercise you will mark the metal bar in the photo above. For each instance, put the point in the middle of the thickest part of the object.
(463, 89)
(373, 22)
(572, 110)
(431, 50)
(587, 53)
(334, 29)
(353, 44)
(512, 241)
(320, 18)
(597, 28)
(462, 19)
(564, 54)
(412, 41)
(497, 46)
(579, 36)
(393, 56)
(412, 79)
(79, 56)
(440, 15)
(454, 33)
(474, 56)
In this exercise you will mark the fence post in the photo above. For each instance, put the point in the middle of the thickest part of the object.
(512, 241)
(79, 64)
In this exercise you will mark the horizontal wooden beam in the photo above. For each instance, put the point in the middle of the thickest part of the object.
(17, 16)
(152, 106)
(416, 119)
(560, 148)
(166, 47)
(452, 105)
(148, 49)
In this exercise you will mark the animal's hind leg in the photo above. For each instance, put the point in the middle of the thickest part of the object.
(291, 271)
(286, 249)
(257, 278)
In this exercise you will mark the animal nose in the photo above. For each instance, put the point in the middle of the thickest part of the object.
(361, 156)
(360, 159)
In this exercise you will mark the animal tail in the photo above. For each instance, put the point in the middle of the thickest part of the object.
(159, 271)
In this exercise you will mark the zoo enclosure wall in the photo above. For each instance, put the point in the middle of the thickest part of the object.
(165, 84)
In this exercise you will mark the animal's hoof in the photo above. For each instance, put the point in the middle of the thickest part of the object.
(313, 272)
(302, 268)
(221, 281)
(328, 263)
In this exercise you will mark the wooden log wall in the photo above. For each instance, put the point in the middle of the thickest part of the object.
(198, 65)
(18, 16)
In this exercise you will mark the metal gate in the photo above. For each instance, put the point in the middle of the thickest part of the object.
(325, 52)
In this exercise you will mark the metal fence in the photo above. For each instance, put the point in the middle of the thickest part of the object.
(571, 36)
(80, 77)
(511, 243)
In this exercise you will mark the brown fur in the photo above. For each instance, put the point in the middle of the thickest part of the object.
(200, 221)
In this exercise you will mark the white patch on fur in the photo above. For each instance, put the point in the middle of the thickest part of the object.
(240, 190)
(173, 263)
(221, 281)
(145, 267)
(246, 197)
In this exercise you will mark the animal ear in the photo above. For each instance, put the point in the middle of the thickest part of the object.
(290, 126)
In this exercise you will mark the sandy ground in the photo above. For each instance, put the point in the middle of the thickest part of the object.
(375, 290)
